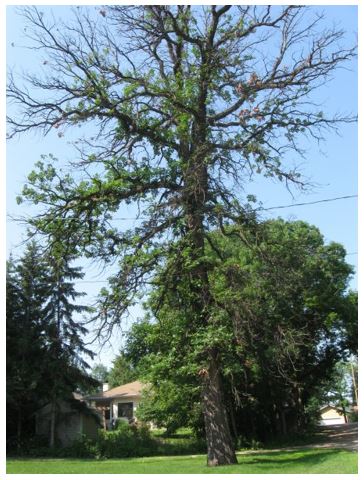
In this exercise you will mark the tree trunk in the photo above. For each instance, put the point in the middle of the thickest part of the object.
(344, 412)
(234, 429)
(283, 421)
(52, 431)
(220, 448)
(19, 429)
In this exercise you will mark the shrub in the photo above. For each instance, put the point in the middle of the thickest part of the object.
(126, 441)
(83, 447)
(123, 442)
(353, 416)
(243, 443)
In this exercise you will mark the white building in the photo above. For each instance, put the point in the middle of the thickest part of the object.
(332, 416)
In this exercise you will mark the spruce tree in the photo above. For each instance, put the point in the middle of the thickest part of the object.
(46, 352)
(26, 294)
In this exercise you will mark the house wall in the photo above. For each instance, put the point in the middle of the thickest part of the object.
(68, 423)
(331, 417)
(89, 426)
(69, 428)
(71, 424)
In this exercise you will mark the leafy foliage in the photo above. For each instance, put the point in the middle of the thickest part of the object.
(121, 372)
(280, 325)
(100, 372)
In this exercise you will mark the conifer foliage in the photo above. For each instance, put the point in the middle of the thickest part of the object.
(45, 342)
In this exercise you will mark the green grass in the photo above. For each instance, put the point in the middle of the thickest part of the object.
(302, 461)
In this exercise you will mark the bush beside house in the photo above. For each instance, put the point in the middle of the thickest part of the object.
(124, 442)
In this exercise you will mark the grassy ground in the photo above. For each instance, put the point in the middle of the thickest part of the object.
(303, 461)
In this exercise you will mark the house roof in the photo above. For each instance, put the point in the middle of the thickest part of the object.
(348, 408)
(330, 407)
(133, 389)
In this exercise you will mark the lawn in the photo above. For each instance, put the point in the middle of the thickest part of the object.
(302, 461)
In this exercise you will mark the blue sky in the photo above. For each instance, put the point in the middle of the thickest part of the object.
(332, 166)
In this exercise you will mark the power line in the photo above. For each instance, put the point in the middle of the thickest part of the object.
(260, 209)
(309, 203)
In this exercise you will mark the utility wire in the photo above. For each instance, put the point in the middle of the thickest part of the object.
(309, 203)
(260, 209)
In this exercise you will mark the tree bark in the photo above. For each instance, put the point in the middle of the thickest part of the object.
(19, 428)
(283, 421)
(52, 431)
(220, 448)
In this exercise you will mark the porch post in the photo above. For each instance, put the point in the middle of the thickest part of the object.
(111, 415)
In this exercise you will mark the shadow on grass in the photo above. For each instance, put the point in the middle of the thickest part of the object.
(287, 458)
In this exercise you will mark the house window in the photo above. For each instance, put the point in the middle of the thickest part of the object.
(125, 410)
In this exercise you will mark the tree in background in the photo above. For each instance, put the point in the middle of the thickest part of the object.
(181, 105)
(281, 321)
(121, 372)
(100, 373)
(175, 397)
(353, 367)
(26, 292)
(66, 350)
(338, 389)
(45, 351)
(287, 298)
(350, 338)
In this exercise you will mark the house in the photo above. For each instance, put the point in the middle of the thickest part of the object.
(86, 415)
(74, 418)
(117, 403)
(330, 415)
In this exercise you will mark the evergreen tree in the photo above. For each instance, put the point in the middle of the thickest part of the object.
(66, 350)
(26, 333)
(45, 343)
(100, 373)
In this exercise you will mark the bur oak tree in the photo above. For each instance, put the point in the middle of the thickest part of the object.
(178, 105)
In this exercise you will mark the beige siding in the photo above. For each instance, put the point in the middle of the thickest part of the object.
(69, 428)
(330, 416)
(332, 413)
